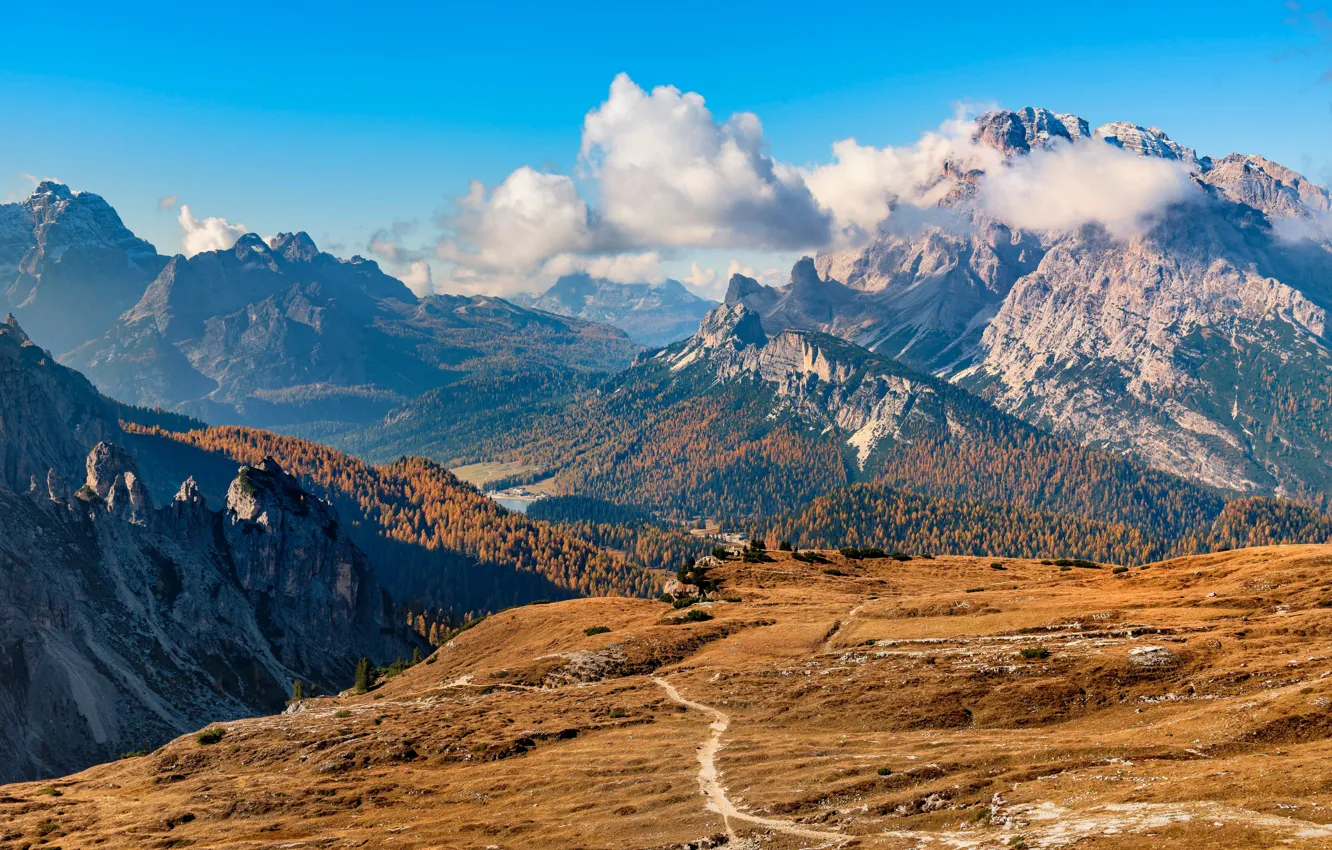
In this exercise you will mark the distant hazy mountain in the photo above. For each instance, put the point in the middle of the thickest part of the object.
(68, 266)
(1200, 345)
(652, 314)
(282, 333)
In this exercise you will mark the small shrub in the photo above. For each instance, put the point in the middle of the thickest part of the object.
(683, 602)
(48, 791)
(732, 599)
(998, 565)
(1066, 568)
(1119, 570)
(342, 714)
(833, 571)
(1034, 652)
(876, 552)
(975, 590)
(134, 754)
(1077, 562)
(46, 827)
(784, 546)
(618, 712)
(377, 696)
(900, 556)
(926, 556)
(885, 771)
(695, 616)
(431, 659)
(210, 736)
(1047, 562)
(596, 630)
(1325, 603)
(666, 597)
(850, 553)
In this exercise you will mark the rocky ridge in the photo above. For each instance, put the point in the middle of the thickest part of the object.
(125, 624)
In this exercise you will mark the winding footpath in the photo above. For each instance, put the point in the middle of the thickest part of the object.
(709, 778)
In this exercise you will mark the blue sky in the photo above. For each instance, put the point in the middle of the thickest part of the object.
(341, 119)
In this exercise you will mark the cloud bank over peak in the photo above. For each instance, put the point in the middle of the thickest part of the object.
(659, 179)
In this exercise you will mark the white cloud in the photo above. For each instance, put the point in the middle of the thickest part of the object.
(620, 268)
(667, 177)
(864, 185)
(518, 225)
(707, 282)
(1067, 186)
(210, 234)
(670, 175)
(167, 202)
(419, 278)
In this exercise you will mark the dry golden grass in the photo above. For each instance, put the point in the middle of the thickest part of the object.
(886, 708)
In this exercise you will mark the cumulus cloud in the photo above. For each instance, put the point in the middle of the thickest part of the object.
(710, 284)
(670, 174)
(209, 234)
(667, 177)
(863, 185)
(517, 225)
(387, 243)
(1067, 186)
(419, 278)
(167, 202)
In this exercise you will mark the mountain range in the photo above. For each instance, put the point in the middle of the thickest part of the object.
(263, 333)
(1198, 343)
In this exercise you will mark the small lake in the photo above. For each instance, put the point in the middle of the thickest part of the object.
(519, 505)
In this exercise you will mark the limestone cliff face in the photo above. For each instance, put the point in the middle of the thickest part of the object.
(123, 624)
(867, 400)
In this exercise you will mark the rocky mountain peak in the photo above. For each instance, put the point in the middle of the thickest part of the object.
(264, 492)
(1148, 141)
(114, 477)
(295, 247)
(1268, 186)
(731, 325)
(1021, 130)
(804, 273)
(741, 287)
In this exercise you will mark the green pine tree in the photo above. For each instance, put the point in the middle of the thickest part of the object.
(297, 690)
(364, 676)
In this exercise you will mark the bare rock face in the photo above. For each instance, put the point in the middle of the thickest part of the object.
(122, 625)
(113, 476)
(872, 400)
(288, 546)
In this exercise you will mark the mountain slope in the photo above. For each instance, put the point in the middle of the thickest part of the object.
(935, 702)
(652, 314)
(283, 334)
(69, 266)
(123, 624)
(735, 425)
